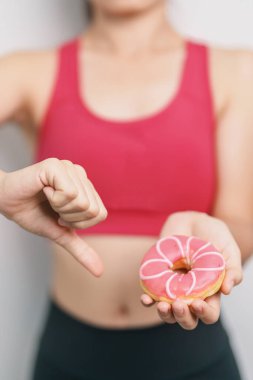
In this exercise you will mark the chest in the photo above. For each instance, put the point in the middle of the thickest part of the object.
(117, 88)
(160, 162)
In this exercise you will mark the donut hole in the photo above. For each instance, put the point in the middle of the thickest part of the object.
(181, 266)
(181, 270)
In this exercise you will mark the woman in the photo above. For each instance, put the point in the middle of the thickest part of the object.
(138, 133)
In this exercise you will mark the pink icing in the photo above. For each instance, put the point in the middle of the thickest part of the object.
(156, 272)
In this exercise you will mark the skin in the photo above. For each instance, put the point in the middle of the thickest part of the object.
(124, 36)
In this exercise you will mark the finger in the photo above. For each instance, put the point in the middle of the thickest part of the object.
(165, 312)
(81, 251)
(146, 300)
(85, 205)
(58, 185)
(79, 220)
(103, 211)
(209, 310)
(87, 186)
(84, 223)
(75, 217)
(183, 315)
(233, 276)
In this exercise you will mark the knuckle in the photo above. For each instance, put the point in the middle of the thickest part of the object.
(61, 239)
(92, 212)
(81, 169)
(67, 162)
(203, 214)
(175, 216)
(103, 215)
(51, 161)
(223, 225)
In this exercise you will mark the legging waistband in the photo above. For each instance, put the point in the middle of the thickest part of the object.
(94, 352)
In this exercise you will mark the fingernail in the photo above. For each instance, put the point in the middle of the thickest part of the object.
(94, 263)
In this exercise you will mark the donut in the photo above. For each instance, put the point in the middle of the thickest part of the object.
(181, 267)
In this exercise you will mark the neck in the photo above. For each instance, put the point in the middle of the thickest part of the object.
(131, 34)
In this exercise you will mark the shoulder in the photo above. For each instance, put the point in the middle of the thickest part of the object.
(24, 70)
(233, 70)
(238, 63)
(23, 64)
(230, 74)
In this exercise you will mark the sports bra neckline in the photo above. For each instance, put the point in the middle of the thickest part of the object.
(137, 121)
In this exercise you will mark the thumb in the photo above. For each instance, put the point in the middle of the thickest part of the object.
(81, 251)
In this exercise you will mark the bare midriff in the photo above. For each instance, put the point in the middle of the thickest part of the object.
(113, 300)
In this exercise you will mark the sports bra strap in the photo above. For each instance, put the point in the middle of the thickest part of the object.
(197, 81)
(67, 85)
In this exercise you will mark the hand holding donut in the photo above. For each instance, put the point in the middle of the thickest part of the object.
(192, 300)
(51, 198)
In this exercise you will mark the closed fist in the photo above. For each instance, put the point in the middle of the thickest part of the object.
(52, 198)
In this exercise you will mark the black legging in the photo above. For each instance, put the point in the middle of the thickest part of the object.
(72, 350)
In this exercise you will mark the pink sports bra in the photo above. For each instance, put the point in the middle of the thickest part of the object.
(143, 169)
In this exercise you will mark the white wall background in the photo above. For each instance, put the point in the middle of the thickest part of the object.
(24, 259)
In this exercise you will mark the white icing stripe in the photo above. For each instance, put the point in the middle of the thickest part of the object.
(146, 277)
(200, 249)
(161, 253)
(179, 245)
(193, 283)
(207, 254)
(209, 269)
(167, 286)
(188, 249)
(169, 238)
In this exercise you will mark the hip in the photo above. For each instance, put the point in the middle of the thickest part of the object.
(71, 349)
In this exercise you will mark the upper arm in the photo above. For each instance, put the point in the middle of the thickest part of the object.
(26, 81)
(13, 87)
(235, 143)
